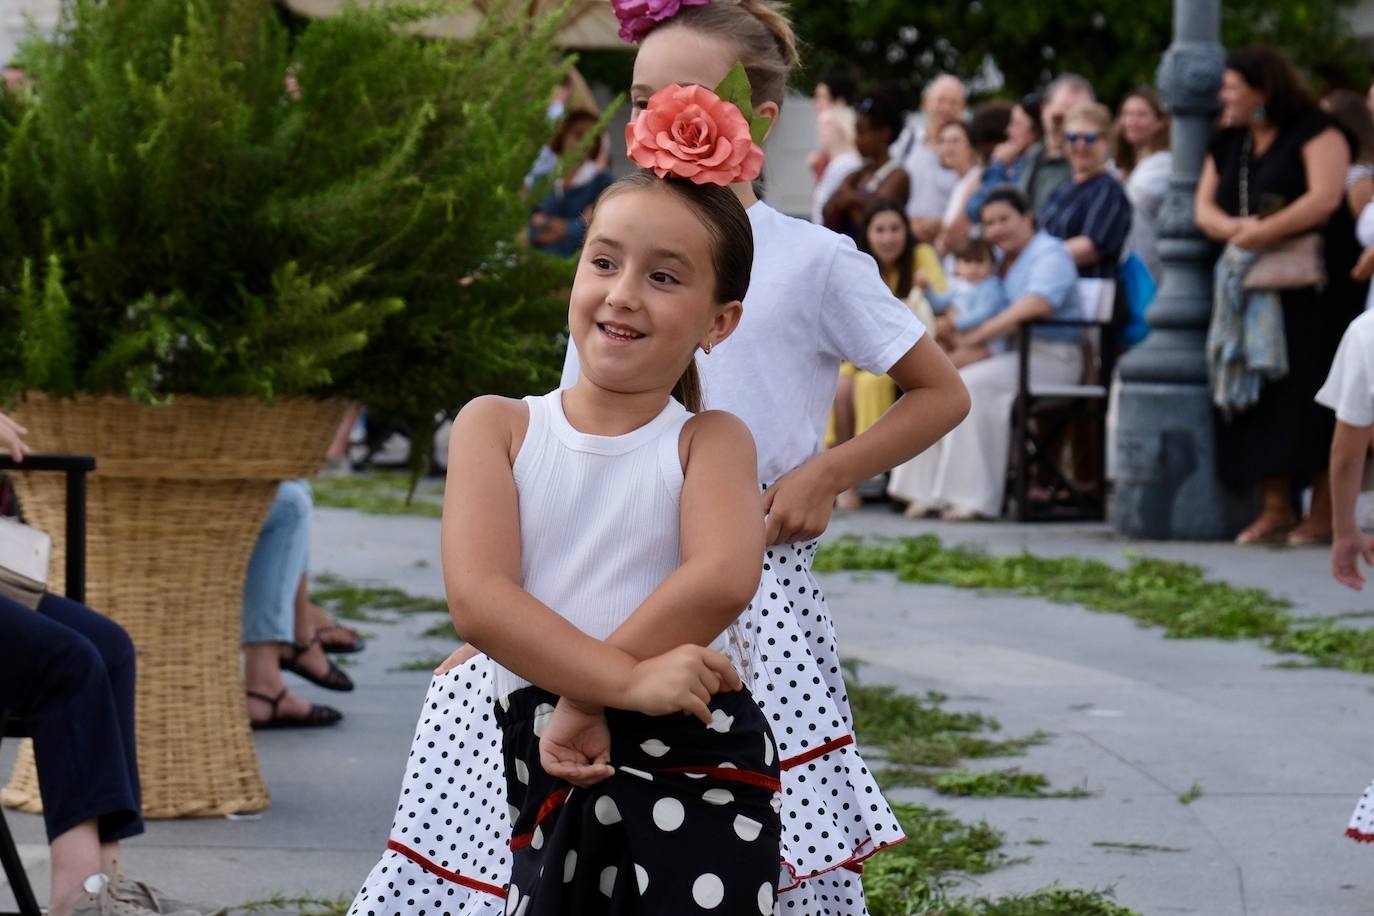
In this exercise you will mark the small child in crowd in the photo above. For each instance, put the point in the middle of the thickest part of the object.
(974, 295)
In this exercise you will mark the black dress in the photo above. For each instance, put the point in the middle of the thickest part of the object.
(1287, 434)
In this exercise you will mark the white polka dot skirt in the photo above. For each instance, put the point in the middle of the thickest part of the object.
(687, 825)
(833, 814)
(449, 851)
(1361, 827)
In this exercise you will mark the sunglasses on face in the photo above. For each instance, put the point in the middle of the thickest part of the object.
(1090, 137)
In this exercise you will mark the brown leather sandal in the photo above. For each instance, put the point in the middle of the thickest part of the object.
(318, 716)
(333, 679)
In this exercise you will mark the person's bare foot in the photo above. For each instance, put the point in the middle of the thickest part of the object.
(1269, 528)
(1309, 533)
(849, 501)
(313, 659)
(290, 706)
(335, 636)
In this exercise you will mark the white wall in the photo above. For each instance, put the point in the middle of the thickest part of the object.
(13, 24)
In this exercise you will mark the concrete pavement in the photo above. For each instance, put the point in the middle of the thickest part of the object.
(1280, 755)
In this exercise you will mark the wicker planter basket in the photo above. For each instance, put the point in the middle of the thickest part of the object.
(175, 505)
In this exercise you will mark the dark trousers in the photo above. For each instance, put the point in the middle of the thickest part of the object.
(68, 673)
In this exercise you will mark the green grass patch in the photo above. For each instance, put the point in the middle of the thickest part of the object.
(421, 664)
(1008, 783)
(379, 493)
(910, 878)
(441, 630)
(1175, 596)
(305, 905)
(1051, 902)
(1193, 794)
(351, 601)
(1136, 848)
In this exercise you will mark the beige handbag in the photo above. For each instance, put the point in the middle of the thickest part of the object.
(24, 556)
(1295, 263)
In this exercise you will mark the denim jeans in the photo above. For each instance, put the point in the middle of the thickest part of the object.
(280, 558)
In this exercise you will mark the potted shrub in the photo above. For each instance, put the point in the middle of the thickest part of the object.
(214, 227)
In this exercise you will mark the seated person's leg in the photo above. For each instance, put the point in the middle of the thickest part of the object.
(269, 613)
(57, 680)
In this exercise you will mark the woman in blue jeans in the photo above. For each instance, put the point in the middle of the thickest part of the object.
(279, 628)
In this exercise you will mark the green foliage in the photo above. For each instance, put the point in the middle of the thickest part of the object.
(380, 493)
(175, 220)
(1116, 43)
(1176, 596)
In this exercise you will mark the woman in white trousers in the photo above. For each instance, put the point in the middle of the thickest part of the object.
(964, 475)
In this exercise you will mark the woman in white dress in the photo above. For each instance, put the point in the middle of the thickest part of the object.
(1142, 155)
(957, 154)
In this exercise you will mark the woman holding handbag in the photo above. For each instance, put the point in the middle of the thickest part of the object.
(68, 673)
(1271, 190)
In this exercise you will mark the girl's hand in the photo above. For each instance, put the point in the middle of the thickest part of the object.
(12, 438)
(460, 655)
(1346, 553)
(680, 680)
(576, 745)
(1364, 267)
(798, 506)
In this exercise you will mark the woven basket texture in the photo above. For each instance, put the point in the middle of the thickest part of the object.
(174, 508)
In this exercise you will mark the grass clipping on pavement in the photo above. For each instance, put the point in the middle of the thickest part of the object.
(1175, 596)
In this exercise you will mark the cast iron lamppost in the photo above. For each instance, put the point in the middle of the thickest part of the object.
(1167, 485)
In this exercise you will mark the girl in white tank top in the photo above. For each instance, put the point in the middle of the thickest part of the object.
(596, 542)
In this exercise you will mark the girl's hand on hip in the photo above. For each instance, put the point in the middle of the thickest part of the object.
(576, 745)
(1346, 553)
(463, 653)
(680, 680)
(798, 506)
(12, 438)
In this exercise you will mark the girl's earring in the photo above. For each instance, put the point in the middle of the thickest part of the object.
(707, 347)
(1259, 115)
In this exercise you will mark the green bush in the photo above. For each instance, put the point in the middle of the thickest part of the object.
(173, 220)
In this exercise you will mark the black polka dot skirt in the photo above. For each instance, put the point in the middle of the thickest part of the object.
(687, 825)
(1361, 828)
(447, 851)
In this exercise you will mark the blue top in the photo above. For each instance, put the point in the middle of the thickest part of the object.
(571, 204)
(995, 175)
(1096, 208)
(976, 302)
(1046, 269)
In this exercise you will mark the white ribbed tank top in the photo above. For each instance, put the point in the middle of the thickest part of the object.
(599, 521)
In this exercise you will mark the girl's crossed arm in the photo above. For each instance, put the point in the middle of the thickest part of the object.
(480, 545)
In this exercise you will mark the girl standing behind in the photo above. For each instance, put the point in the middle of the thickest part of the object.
(541, 494)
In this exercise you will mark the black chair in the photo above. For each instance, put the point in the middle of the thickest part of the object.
(1044, 415)
(76, 467)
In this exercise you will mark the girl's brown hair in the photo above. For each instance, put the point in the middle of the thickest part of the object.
(732, 247)
(761, 34)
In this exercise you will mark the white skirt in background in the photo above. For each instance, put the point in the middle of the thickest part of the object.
(449, 853)
(967, 469)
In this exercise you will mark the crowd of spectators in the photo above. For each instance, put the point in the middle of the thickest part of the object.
(1016, 210)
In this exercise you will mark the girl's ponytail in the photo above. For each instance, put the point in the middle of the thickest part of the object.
(775, 20)
(688, 389)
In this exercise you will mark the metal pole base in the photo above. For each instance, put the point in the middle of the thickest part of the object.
(1167, 486)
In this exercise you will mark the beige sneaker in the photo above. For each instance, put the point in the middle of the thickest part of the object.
(150, 898)
(99, 899)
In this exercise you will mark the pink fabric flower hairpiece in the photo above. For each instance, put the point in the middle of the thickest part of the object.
(638, 17)
(690, 132)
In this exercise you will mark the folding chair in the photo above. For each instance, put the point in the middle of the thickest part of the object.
(76, 467)
(1045, 414)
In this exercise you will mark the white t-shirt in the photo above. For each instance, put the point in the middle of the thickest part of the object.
(1349, 388)
(1364, 231)
(814, 301)
(931, 183)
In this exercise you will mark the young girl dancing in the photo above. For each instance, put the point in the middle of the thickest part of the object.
(815, 301)
(636, 519)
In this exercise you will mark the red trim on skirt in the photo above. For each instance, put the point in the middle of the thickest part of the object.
(439, 871)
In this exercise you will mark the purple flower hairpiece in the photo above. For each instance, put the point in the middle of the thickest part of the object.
(639, 17)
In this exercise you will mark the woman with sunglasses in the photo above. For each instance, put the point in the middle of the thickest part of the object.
(1090, 212)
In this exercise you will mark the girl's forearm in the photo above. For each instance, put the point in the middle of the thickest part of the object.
(693, 605)
(918, 420)
(1004, 323)
(1349, 447)
(527, 637)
